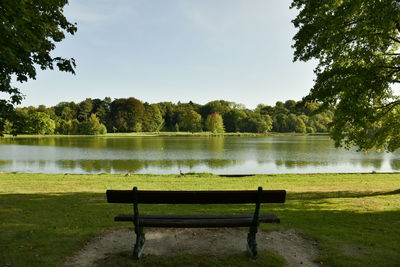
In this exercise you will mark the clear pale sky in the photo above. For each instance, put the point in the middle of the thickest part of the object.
(177, 50)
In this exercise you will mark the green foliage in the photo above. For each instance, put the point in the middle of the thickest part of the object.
(131, 115)
(234, 120)
(319, 123)
(66, 110)
(153, 120)
(102, 110)
(6, 113)
(190, 121)
(280, 123)
(167, 110)
(68, 127)
(29, 31)
(220, 106)
(356, 44)
(295, 124)
(257, 123)
(85, 109)
(214, 123)
(8, 127)
(290, 105)
(92, 126)
(39, 123)
(137, 127)
(127, 113)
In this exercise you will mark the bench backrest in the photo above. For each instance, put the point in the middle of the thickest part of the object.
(196, 197)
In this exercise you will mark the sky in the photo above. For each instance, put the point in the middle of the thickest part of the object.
(177, 50)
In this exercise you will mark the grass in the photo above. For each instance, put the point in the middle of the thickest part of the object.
(355, 218)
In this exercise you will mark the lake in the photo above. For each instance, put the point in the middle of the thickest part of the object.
(166, 155)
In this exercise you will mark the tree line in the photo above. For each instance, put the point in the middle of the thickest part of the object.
(99, 116)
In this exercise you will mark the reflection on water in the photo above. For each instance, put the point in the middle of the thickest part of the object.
(118, 166)
(395, 164)
(229, 155)
(376, 163)
(291, 164)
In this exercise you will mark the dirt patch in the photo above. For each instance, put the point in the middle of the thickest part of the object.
(353, 251)
(296, 250)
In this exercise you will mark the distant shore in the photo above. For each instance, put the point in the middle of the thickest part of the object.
(164, 134)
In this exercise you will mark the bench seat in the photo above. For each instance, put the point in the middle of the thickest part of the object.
(196, 221)
(140, 221)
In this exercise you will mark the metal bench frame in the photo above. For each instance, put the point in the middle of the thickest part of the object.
(195, 221)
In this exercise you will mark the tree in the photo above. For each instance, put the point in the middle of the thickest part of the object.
(167, 110)
(92, 126)
(257, 123)
(127, 114)
(18, 120)
(68, 127)
(153, 120)
(290, 105)
(40, 123)
(280, 108)
(102, 109)
(356, 44)
(264, 109)
(66, 110)
(220, 106)
(8, 126)
(85, 109)
(29, 31)
(214, 123)
(319, 122)
(189, 120)
(300, 126)
(234, 120)
(280, 123)
(291, 123)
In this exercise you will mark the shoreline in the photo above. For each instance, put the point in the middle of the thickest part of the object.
(191, 174)
(164, 134)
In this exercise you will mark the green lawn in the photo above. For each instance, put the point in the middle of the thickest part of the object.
(355, 218)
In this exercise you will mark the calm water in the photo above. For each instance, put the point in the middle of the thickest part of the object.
(222, 155)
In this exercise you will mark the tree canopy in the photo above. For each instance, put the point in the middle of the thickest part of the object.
(214, 123)
(356, 44)
(98, 116)
(29, 30)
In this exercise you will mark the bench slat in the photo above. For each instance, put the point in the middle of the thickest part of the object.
(195, 197)
(193, 221)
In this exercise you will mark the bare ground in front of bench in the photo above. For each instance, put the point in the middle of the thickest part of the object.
(160, 241)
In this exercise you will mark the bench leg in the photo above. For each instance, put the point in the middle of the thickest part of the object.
(139, 245)
(251, 241)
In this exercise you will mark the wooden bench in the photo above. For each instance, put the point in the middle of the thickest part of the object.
(140, 221)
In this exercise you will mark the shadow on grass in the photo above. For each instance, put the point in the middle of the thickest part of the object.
(338, 194)
(43, 229)
(264, 259)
